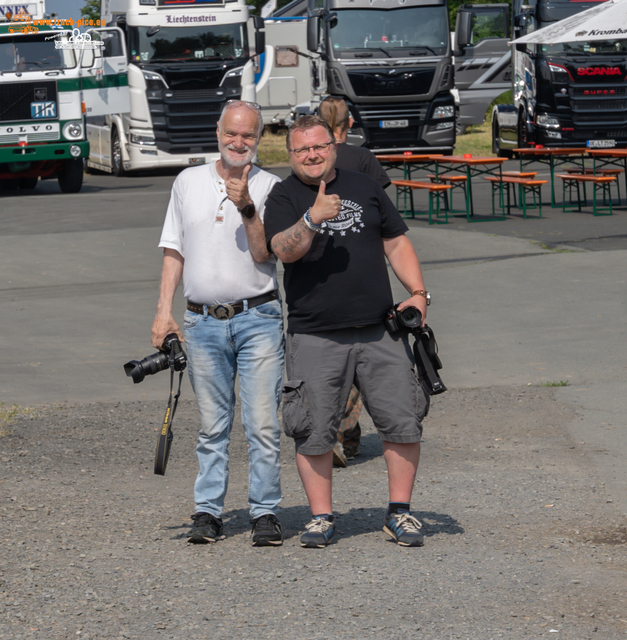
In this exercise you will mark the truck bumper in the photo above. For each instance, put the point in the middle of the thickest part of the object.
(146, 158)
(43, 151)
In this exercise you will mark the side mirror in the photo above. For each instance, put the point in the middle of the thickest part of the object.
(521, 47)
(463, 29)
(313, 30)
(260, 35)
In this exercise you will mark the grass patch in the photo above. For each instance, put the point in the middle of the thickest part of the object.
(556, 383)
(8, 413)
(271, 150)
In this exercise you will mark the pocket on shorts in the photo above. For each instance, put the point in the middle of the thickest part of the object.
(297, 422)
(423, 399)
(270, 310)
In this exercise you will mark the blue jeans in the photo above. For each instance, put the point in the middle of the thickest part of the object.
(250, 344)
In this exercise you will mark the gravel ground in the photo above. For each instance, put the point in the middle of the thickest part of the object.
(522, 541)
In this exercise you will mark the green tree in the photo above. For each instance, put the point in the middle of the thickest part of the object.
(453, 5)
(91, 10)
(254, 6)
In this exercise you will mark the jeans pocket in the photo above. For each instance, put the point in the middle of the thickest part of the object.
(297, 422)
(269, 310)
(190, 319)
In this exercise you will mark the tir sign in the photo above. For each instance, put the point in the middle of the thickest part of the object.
(43, 109)
(599, 71)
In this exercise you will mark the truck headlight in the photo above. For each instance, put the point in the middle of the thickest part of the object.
(73, 130)
(443, 112)
(142, 139)
(154, 81)
(544, 120)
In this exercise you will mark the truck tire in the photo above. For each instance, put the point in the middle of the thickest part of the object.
(116, 154)
(523, 137)
(496, 143)
(8, 185)
(71, 176)
(28, 183)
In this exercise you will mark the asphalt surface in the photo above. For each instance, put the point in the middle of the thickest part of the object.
(517, 304)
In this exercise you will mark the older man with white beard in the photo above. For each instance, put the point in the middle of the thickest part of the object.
(213, 237)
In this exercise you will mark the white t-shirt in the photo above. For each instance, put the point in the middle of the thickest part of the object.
(206, 228)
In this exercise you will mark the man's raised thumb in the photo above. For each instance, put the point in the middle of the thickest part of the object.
(246, 171)
(322, 189)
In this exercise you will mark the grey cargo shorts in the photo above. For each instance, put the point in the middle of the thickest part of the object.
(321, 368)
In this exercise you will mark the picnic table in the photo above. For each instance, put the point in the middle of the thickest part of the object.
(553, 157)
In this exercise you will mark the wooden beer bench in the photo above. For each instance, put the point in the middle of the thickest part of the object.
(436, 193)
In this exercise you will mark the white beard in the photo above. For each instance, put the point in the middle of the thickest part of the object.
(239, 160)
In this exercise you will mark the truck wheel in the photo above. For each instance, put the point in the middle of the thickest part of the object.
(116, 154)
(496, 143)
(28, 183)
(71, 176)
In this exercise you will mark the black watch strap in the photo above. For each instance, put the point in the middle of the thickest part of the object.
(248, 211)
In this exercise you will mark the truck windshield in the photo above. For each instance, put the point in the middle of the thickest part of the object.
(423, 30)
(165, 44)
(35, 53)
(596, 48)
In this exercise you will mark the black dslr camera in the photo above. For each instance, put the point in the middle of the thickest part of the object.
(171, 356)
(425, 346)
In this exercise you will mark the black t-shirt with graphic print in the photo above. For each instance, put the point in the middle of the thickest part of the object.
(342, 281)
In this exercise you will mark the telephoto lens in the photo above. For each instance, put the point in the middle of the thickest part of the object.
(410, 317)
(139, 369)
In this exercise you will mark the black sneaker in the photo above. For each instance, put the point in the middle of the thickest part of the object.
(267, 531)
(405, 529)
(206, 529)
(318, 533)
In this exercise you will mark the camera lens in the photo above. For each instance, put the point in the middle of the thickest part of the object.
(411, 317)
(150, 365)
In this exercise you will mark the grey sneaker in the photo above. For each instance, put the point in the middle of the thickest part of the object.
(267, 531)
(405, 529)
(339, 458)
(206, 529)
(318, 533)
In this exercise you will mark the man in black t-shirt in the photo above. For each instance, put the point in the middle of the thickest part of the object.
(333, 230)
(334, 111)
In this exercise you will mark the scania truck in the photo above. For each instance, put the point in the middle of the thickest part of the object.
(571, 94)
(49, 80)
(186, 59)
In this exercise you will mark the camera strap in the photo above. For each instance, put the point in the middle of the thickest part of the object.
(427, 362)
(166, 436)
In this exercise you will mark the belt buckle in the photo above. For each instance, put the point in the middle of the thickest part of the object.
(221, 311)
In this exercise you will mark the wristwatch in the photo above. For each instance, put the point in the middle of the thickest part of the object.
(425, 294)
(248, 211)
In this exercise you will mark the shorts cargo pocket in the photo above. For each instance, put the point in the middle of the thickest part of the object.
(297, 422)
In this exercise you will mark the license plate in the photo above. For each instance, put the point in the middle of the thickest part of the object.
(393, 124)
(601, 144)
(196, 161)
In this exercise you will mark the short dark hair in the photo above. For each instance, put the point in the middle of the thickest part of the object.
(303, 124)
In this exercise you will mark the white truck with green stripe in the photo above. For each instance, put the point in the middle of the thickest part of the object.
(186, 59)
(49, 81)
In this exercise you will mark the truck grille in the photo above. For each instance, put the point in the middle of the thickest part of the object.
(370, 115)
(401, 82)
(185, 121)
(596, 105)
(16, 99)
(30, 137)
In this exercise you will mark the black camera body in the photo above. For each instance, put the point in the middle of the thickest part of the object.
(425, 347)
(171, 356)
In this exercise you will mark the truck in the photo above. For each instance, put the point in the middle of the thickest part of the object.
(482, 59)
(570, 94)
(49, 80)
(186, 59)
(390, 60)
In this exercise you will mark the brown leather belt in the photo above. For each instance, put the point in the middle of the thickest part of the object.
(227, 310)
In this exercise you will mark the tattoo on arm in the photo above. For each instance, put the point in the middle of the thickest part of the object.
(295, 240)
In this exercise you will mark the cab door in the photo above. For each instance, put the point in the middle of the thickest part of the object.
(104, 73)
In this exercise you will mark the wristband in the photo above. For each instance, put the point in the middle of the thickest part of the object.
(311, 224)
(425, 294)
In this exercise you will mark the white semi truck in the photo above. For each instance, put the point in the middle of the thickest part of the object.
(49, 81)
(186, 59)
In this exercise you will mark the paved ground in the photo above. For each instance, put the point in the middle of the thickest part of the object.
(522, 487)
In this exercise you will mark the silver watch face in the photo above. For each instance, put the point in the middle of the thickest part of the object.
(428, 297)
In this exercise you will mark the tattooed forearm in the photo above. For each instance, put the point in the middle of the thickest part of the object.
(293, 243)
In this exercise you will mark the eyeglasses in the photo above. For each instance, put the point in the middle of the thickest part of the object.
(237, 103)
(318, 149)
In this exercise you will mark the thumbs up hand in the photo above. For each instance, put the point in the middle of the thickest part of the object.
(237, 189)
(326, 206)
